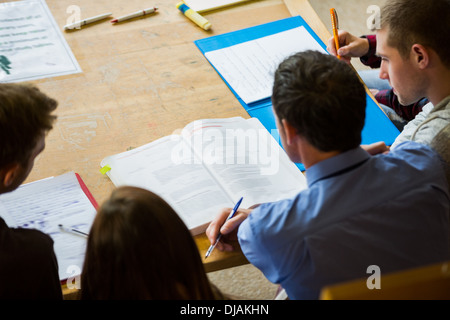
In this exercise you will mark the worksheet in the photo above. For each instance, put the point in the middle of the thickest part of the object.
(31, 43)
(249, 67)
(44, 205)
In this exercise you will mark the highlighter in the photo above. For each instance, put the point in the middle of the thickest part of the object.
(194, 16)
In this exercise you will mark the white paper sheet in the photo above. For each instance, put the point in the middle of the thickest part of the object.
(249, 67)
(45, 204)
(206, 5)
(31, 43)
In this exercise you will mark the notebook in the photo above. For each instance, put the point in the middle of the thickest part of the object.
(46, 203)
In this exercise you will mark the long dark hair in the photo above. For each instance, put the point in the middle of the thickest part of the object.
(139, 248)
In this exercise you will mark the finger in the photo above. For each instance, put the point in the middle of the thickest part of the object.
(331, 48)
(234, 222)
(346, 50)
(213, 229)
(375, 148)
(223, 246)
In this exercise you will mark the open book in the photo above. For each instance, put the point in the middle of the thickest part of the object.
(208, 166)
(47, 203)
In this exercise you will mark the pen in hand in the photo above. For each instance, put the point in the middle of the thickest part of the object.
(335, 26)
(235, 209)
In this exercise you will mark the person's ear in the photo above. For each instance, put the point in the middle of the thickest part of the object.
(9, 173)
(289, 131)
(420, 56)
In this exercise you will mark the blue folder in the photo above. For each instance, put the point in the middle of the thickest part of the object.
(377, 125)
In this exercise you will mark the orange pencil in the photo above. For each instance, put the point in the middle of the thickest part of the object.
(335, 26)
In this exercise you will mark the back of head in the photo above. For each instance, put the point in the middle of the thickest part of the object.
(25, 114)
(322, 98)
(139, 248)
(424, 22)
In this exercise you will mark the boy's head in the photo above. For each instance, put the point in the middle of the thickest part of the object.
(425, 22)
(413, 45)
(322, 98)
(25, 118)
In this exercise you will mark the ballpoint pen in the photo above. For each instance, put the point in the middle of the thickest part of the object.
(335, 26)
(83, 22)
(72, 230)
(134, 15)
(235, 209)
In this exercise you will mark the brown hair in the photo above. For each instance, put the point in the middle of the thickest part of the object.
(322, 98)
(139, 248)
(424, 22)
(25, 114)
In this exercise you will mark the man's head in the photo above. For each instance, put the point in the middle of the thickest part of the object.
(322, 99)
(25, 119)
(413, 39)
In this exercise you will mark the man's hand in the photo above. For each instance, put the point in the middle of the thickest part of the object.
(228, 229)
(349, 46)
(376, 148)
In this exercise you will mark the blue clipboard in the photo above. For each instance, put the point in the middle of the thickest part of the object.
(377, 127)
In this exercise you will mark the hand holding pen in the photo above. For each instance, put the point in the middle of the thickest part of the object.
(225, 223)
(343, 44)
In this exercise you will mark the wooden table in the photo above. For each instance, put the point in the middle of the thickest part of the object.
(142, 80)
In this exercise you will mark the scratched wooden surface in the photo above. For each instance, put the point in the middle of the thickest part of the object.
(142, 79)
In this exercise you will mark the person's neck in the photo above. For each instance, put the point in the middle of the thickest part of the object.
(311, 156)
(439, 87)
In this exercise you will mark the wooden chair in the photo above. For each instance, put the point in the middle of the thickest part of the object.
(431, 282)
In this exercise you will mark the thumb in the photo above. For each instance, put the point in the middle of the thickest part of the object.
(343, 51)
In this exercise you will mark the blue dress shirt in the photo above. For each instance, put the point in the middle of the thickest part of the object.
(390, 210)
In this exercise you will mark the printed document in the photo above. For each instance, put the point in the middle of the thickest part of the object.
(45, 204)
(31, 43)
(249, 67)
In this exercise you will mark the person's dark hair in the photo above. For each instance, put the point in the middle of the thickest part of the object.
(424, 22)
(25, 114)
(139, 248)
(322, 98)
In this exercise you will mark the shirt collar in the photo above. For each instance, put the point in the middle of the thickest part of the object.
(335, 164)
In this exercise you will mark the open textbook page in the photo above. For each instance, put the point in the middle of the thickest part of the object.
(43, 205)
(209, 166)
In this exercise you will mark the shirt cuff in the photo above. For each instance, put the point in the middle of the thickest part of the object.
(370, 59)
